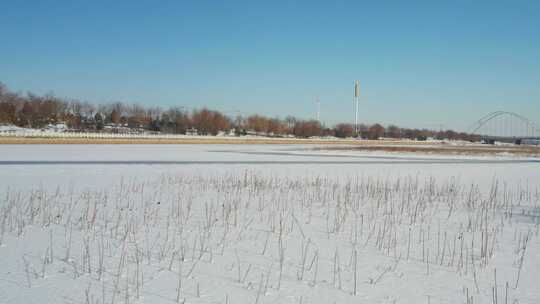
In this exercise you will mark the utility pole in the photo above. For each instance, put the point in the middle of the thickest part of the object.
(356, 97)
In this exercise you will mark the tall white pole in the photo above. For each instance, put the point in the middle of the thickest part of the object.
(356, 97)
(356, 117)
(318, 109)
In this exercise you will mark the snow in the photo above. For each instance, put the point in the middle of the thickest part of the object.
(12, 128)
(439, 155)
(111, 223)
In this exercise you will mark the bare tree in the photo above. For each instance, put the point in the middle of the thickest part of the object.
(376, 131)
(393, 131)
(344, 130)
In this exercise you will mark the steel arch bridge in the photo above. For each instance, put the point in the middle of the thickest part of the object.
(504, 124)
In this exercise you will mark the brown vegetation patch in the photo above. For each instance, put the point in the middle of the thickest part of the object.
(444, 149)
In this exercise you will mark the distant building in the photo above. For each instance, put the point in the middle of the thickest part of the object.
(116, 128)
(192, 131)
(57, 127)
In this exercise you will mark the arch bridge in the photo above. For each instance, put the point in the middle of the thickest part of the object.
(506, 126)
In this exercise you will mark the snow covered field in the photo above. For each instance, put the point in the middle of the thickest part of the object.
(264, 224)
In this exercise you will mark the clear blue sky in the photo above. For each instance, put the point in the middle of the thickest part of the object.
(420, 64)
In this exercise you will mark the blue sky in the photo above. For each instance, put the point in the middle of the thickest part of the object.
(420, 63)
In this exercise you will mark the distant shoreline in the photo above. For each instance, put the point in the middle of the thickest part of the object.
(343, 145)
(199, 140)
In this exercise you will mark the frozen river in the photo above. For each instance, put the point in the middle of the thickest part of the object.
(265, 224)
(95, 165)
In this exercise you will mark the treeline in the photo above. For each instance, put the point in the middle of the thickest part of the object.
(34, 111)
